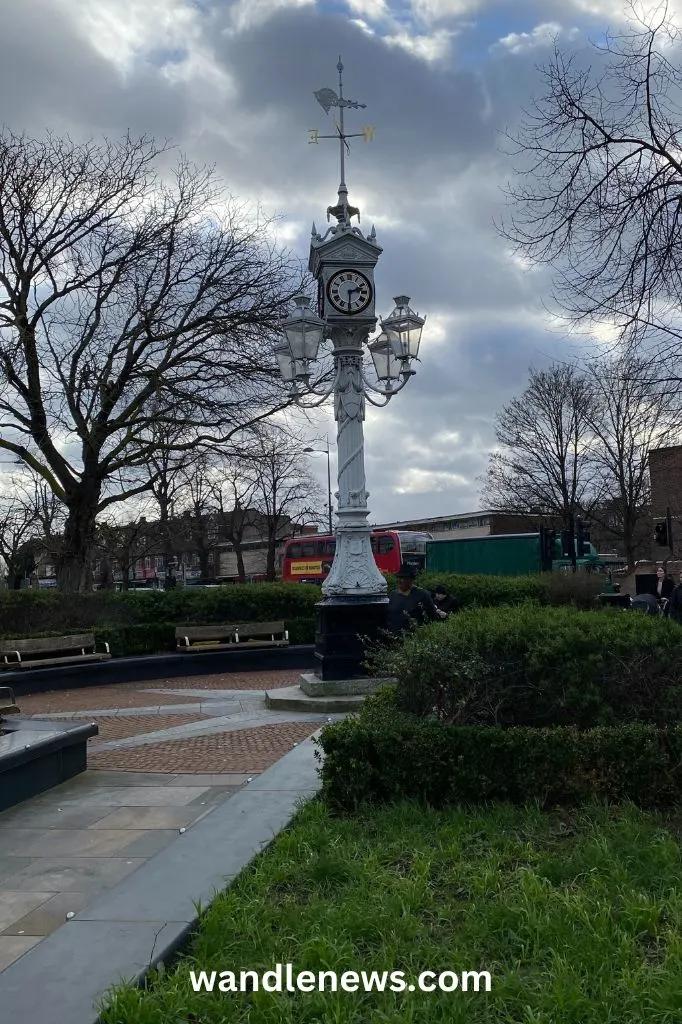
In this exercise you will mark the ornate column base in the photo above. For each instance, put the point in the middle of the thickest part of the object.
(340, 625)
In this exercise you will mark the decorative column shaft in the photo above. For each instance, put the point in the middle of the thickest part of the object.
(354, 573)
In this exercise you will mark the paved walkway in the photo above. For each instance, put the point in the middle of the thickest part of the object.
(168, 753)
(141, 920)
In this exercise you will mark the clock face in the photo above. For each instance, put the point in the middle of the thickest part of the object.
(349, 291)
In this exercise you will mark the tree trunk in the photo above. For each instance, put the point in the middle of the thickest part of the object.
(203, 563)
(630, 547)
(271, 558)
(73, 569)
(241, 571)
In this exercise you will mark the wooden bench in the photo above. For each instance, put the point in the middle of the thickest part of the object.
(236, 636)
(42, 652)
(261, 634)
(188, 638)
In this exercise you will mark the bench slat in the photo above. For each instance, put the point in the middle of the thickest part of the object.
(263, 634)
(39, 645)
(69, 659)
(259, 628)
(204, 632)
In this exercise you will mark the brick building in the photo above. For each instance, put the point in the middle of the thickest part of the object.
(665, 471)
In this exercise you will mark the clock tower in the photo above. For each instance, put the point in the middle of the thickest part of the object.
(342, 261)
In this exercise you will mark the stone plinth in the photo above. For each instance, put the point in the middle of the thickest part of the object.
(313, 686)
(340, 626)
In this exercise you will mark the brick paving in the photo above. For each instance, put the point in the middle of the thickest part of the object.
(233, 681)
(140, 695)
(120, 727)
(245, 750)
(94, 698)
(240, 748)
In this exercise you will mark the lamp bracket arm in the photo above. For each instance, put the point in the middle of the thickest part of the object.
(382, 391)
(380, 405)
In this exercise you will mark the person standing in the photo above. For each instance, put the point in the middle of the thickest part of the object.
(664, 588)
(443, 601)
(675, 603)
(410, 604)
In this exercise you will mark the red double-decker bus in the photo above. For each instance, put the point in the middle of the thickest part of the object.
(309, 559)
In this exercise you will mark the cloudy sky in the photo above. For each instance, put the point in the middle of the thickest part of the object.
(231, 82)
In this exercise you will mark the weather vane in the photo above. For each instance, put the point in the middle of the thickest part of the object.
(327, 99)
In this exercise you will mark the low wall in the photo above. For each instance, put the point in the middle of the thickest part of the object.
(149, 667)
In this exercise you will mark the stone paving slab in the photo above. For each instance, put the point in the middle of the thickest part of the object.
(59, 850)
(142, 920)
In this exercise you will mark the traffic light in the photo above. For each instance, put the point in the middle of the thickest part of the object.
(566, 544)
(661, 534)
(582, 539)
(547, 539)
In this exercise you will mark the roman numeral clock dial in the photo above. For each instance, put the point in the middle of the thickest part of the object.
(349, 292)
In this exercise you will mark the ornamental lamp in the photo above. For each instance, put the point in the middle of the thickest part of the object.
(387, 366)
(404, 330)
(285, 361)
(303, 330)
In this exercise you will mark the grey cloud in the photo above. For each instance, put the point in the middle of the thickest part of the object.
(437, 133)
(51, 77)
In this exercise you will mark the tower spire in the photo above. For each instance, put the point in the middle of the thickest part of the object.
(327, 98)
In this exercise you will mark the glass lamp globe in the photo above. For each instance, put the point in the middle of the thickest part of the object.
(404, 330)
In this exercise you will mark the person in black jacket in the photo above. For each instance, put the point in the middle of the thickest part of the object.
(664, 586)
(443, 601)
(675, 603)
(409, 604)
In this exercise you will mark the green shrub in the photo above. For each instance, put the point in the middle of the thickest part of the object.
(527, 665)
(485, 591)
(28, 612)
(580, 589)
(252, 602)
(383, 757)
(127, 641)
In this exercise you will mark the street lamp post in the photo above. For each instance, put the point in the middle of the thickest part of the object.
(320, 451)
(342, 261)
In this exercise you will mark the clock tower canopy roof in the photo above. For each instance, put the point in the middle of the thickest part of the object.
(342, 248)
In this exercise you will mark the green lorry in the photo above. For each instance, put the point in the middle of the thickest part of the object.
(510, 554)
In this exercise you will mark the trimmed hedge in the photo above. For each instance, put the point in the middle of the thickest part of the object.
(580, 589)
(24, 612)
(134, 623)
(128, 641)
(384, 755)
(532, 666)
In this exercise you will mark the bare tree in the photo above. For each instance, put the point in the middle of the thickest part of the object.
(18, 541)
(30, 520)
(629, 417)
(195, 503)
(233, 496)
(543, 468)
(599, 182)
(283, 488)
(125, 303)
(168, 469)
(122, 540)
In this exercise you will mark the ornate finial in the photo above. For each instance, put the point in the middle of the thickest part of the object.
(314, 231)
(327, 99)
(372, 237)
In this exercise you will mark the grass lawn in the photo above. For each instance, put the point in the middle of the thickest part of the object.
(577, 917)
